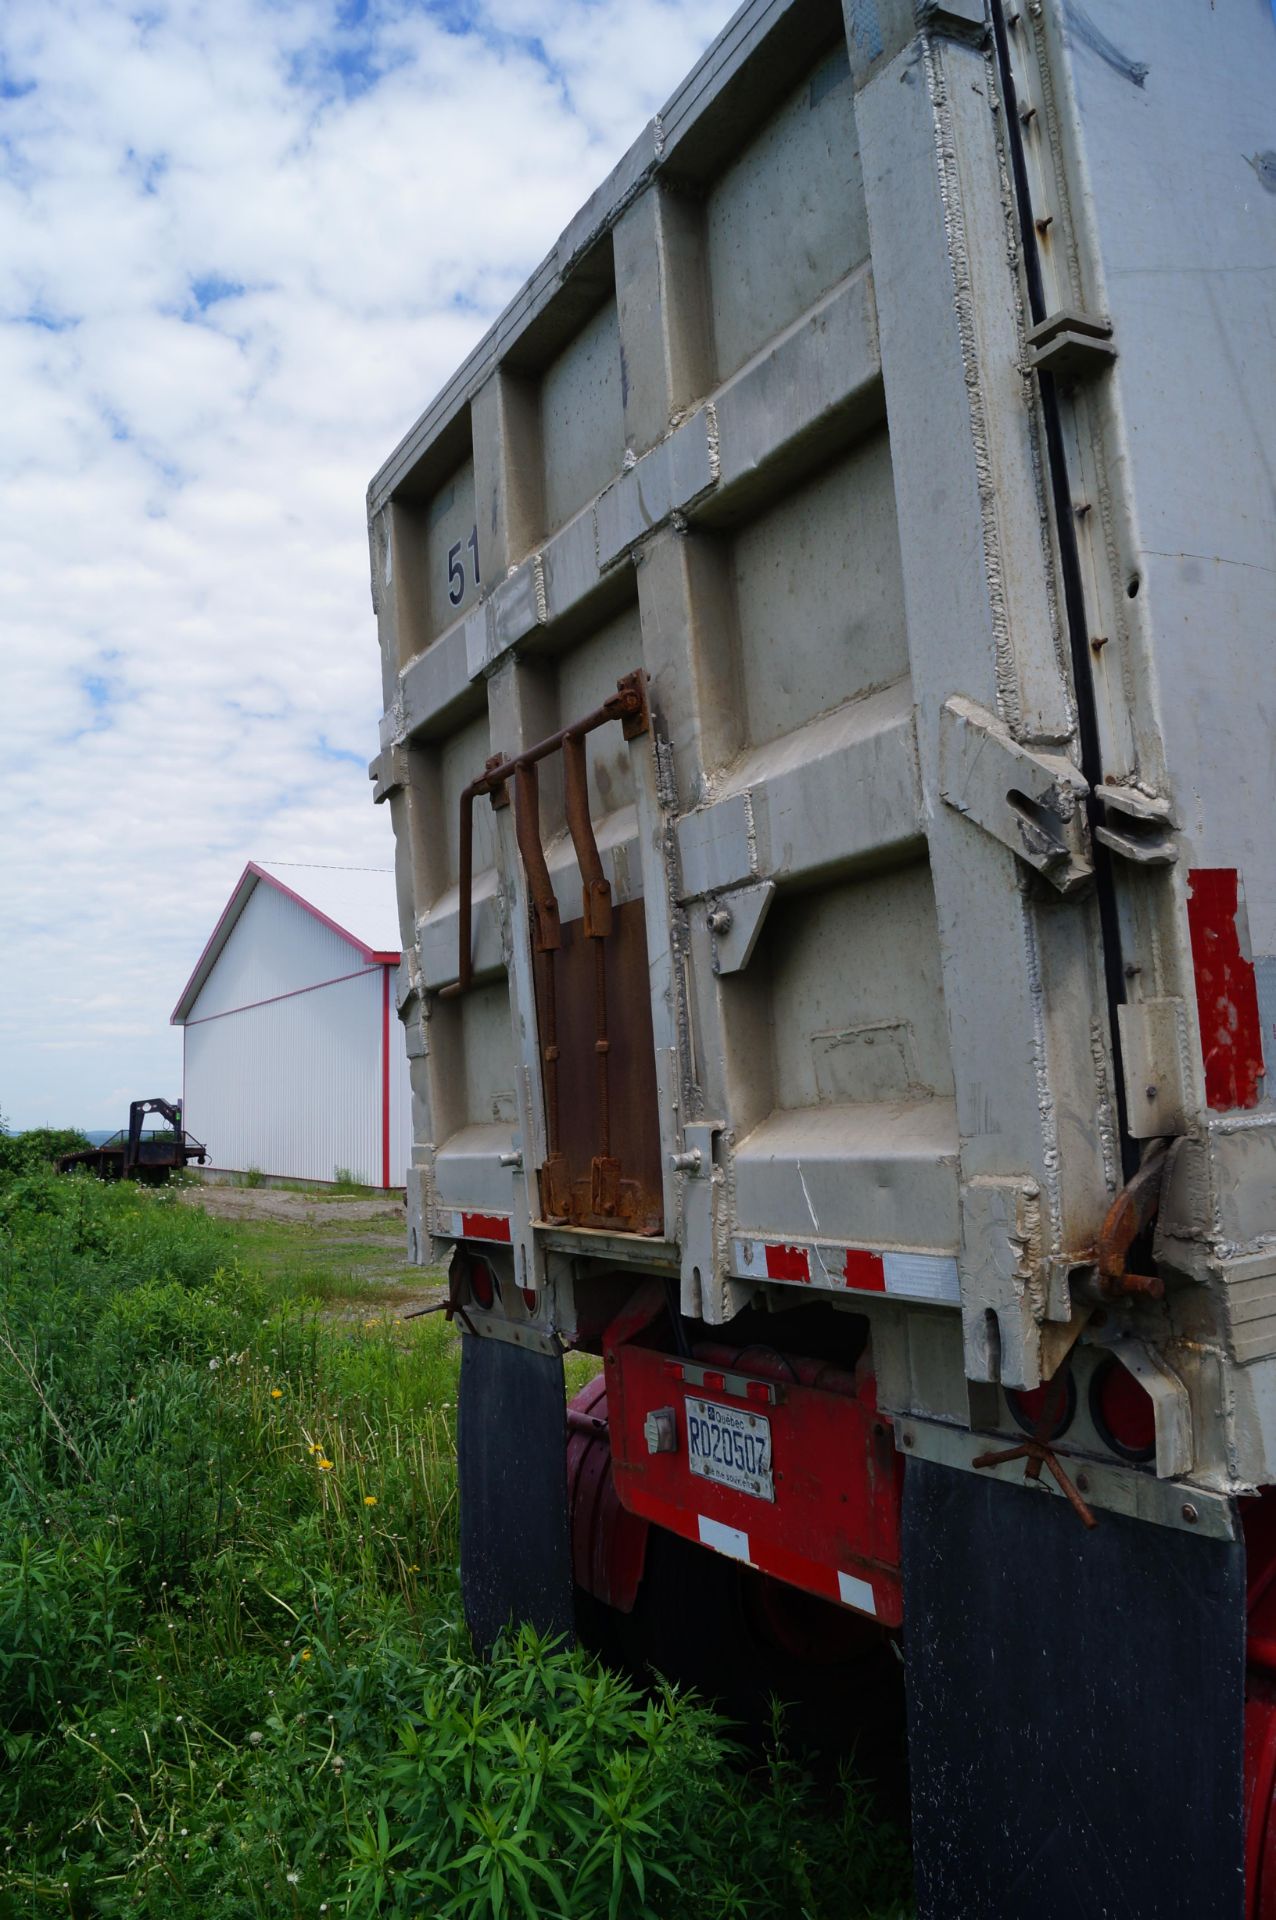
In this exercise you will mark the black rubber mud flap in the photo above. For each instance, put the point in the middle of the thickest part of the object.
(512, 1457)
(1075, 1709)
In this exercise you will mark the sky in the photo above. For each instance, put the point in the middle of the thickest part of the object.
(242, 244)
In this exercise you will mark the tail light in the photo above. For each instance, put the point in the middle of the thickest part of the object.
(1122, 1411)
(1045, 1412)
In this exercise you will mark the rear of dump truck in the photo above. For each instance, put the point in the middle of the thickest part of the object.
(829, 647)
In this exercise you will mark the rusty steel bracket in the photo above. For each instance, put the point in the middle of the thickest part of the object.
(1039, 1455)
(527, 830)
(1131, 1214)
(628, 705)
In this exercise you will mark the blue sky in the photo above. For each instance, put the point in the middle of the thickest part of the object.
(241, 245)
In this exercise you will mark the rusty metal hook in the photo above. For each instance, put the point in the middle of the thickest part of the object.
(1039, 1455)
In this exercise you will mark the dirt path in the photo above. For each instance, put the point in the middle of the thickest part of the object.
(356, 1244)
(285, 1203)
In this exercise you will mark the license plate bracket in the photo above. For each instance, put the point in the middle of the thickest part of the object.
(730, 1446)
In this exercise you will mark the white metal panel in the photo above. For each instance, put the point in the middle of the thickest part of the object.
(400, 1101)
(274, 947)
(359, 899)
(293, 1086)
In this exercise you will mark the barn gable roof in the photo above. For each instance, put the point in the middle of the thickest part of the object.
(355, 902)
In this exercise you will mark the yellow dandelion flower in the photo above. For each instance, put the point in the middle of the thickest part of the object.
(369, 1499)
(276, 1393)
(325, 1466)
(305, 1653)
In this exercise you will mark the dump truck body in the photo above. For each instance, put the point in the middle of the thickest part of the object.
(826, 634)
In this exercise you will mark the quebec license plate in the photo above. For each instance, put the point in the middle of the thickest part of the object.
(730, 1446)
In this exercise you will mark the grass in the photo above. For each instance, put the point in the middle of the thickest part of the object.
(331, 1260)
(233, 1676)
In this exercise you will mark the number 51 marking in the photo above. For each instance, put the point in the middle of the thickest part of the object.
(456, 567)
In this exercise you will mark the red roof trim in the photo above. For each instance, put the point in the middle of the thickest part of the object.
(240, 895)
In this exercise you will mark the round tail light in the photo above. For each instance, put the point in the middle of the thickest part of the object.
(1045, 1412)
(482, 1285)
(1122, 1411)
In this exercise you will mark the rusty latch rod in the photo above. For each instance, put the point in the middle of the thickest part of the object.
(596, 917)
(1130, 1215)
(628, 705)
(1038, 1455)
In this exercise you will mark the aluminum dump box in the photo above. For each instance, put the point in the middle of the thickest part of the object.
(881, 464)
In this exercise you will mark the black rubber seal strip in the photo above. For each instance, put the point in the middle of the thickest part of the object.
(1074, 607)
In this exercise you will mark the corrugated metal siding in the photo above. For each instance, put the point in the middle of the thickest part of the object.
(274, 947)
(400, 1099)
(359, 899)
(293, 1087)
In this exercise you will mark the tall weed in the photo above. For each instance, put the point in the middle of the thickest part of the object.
(232, 1676)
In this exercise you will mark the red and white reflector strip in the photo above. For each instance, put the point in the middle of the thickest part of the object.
(451, 1224)
(803, 1263)
(852, 1589)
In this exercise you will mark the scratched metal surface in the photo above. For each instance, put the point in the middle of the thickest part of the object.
(902, 406)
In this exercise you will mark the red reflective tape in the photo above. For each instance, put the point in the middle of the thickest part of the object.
(1226, 991)
(485, 1226)
(788, 1263)
(865, 1271)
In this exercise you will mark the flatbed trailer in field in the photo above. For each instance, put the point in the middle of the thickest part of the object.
(828, 636)
(134, 1154)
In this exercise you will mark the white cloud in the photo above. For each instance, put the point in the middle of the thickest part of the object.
(242, 243)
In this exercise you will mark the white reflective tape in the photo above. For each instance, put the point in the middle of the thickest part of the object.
(748, 1258)
(923, 1276)
(728, 1540)
(855, 1593)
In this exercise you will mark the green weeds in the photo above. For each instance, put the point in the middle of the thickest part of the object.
(233, 1680)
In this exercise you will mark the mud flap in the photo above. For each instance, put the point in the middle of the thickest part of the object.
(512, 1461)
(1075, 1709)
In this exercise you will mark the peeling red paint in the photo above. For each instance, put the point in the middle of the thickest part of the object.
(787, 1263)
(1226, 991)
(485, 1226)
(865, 1271)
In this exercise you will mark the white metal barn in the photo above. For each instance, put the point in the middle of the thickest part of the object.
(292, 1058)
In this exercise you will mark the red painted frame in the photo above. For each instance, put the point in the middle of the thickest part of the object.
(838, 1478)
